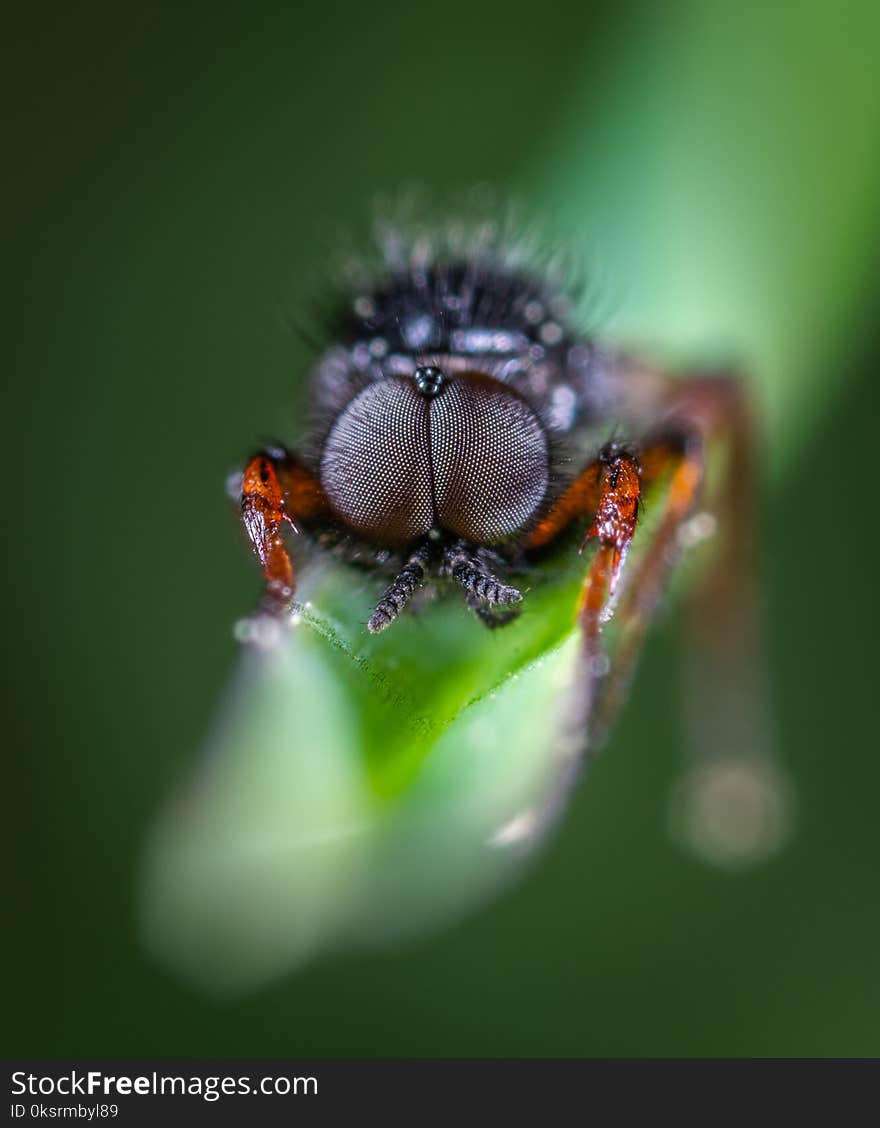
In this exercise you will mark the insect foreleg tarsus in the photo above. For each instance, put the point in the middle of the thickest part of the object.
(277, 491)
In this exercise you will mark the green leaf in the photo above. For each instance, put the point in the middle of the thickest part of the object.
(358, 788)
(361, 787)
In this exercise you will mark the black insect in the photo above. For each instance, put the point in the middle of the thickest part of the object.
(453, 409)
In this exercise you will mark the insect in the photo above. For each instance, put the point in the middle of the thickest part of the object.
(455, 415)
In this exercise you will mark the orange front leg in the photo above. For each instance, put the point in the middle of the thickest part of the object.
(277, 490)
(607, 492)
(678, 457)
(614, 526)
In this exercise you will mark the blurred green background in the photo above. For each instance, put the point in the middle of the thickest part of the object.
(169, 176)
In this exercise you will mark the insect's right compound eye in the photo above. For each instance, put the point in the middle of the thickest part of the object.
(375, 467)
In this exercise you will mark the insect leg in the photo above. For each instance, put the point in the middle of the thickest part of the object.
(678, 452)
(486, 595)
(580, 500)
(690, 412)
(277, 490)
(613, 526)
(400, 590)
(733, 805)
(607, 491)
(722, 606)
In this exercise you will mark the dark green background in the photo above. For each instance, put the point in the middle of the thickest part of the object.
(168, 176)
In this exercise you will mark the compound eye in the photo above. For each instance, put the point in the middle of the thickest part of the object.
(375, 468)
(490, 459)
